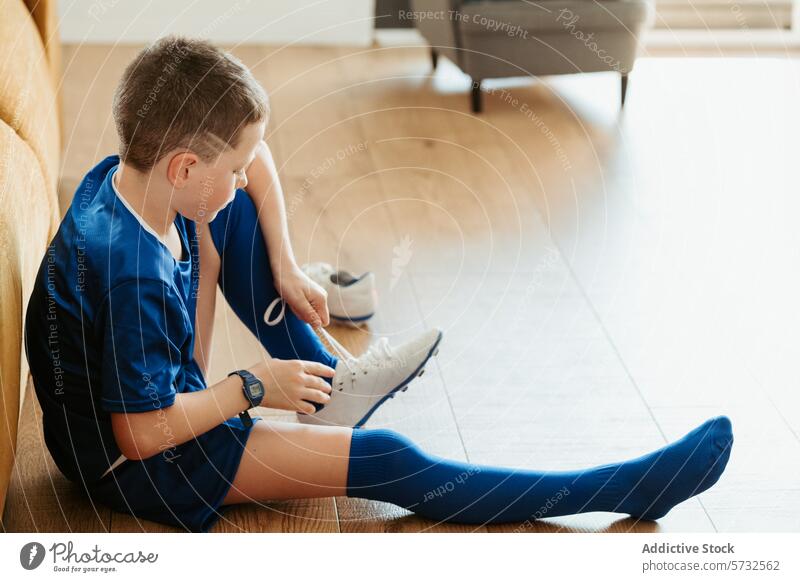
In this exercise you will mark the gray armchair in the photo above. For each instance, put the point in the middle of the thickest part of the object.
(512, 38)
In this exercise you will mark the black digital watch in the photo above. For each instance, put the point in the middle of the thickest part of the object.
(254, 392)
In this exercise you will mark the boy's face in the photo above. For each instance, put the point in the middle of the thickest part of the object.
(209, 187)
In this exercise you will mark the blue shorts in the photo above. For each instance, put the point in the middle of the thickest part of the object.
(183, 486)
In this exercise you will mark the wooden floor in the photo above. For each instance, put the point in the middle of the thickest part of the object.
(605, 280)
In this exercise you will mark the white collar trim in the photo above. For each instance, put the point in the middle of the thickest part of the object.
(127, 205)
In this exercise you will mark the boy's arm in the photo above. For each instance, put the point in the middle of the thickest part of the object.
(288, 385)
(264, 187)
(140, 435)
(307, 299)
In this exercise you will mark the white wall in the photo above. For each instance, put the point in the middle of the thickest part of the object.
(339, 22)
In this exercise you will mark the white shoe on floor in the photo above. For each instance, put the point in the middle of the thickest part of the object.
(351, 300)
(362, 384)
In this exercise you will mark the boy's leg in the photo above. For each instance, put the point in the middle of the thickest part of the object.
(284, 461)
(245, 277)
(389, 467)
(291, 461)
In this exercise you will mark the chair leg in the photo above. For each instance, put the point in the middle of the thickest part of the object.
(624, 89)
(477, 97)
(434, 58)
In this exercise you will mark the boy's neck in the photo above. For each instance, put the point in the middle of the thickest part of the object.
(142, 193)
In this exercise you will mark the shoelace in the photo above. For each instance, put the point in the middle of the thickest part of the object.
(337, 347)
(378, 352)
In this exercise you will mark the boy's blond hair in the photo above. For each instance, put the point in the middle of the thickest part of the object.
(184, 93)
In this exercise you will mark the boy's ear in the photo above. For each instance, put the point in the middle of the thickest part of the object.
(179, 167)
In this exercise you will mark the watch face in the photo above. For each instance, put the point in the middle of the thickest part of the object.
(255, 389)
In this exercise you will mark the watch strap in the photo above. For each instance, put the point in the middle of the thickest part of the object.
(247, 420)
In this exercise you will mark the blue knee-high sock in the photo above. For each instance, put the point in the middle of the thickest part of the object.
(386, 466)
(247, 284)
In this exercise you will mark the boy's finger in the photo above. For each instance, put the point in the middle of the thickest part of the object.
(317, 383)
(319, 369)
(320, 306)
(307, 313)
(316, 396)
(323, 312)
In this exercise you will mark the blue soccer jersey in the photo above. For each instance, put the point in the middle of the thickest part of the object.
(110, 328)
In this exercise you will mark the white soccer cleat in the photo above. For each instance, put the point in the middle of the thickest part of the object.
(362, 384)
(351, 300)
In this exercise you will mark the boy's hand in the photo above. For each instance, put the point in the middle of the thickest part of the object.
(308, 300)
(294, 384)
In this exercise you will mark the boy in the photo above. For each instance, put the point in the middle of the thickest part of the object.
(120, 321)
